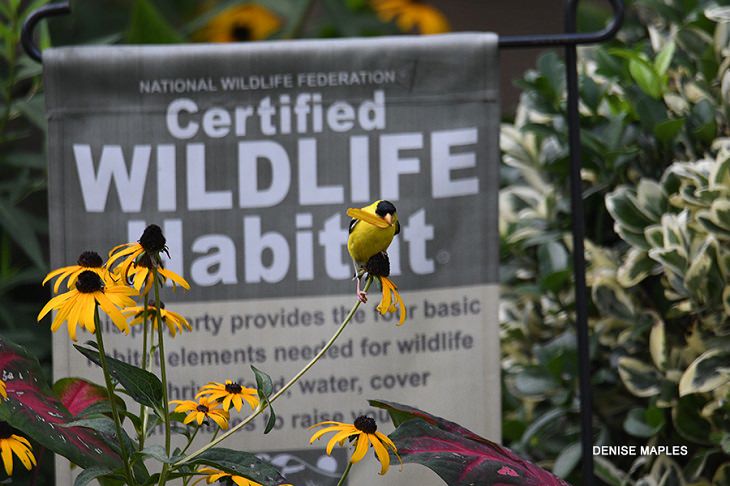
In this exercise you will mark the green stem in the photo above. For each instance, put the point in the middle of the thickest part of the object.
(143, 409)
(344, 474)
(163, 375)
(283, 389)
(197, 428)
(112, 401)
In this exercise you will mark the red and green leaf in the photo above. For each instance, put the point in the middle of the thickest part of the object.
(32, 408)
(460, 457)
(77, 394)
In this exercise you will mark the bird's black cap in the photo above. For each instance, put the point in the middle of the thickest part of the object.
(384, 207)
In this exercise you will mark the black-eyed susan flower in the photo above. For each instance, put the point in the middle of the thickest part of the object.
(230, 393)
(10, 444)
(364, 431)
(211, 475)
(411, 15)
(151, 244)
(88, 260)
(78, 305)
(141, 276)
(175, 322)
(241, 23)
(3, 390)
(201, 410)
(390, 298)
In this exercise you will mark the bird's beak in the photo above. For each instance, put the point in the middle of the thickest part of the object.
(389, 218)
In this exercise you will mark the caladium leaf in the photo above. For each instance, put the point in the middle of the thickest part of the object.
(33, 409)
(77, 394)
(459, 456)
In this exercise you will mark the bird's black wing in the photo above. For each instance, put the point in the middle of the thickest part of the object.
(353, 222)
(397, 227)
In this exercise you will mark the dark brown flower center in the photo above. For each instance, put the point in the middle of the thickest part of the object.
(5, 430)
(89, 282)
(90, 259)
(152, 240)
(202, 408)
(241, 33)
(366, 424)
(233, 388)
(378, 265)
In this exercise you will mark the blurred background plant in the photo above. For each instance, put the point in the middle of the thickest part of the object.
(654, 125)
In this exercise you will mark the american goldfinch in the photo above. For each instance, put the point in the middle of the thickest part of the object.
(371, 231)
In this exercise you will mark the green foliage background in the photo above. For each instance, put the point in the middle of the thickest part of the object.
(654, 126)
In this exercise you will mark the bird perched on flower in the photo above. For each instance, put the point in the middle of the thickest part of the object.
(372, 229)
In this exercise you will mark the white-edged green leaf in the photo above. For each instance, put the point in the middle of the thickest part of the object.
(709, 371)
(640, 379)
(658, 343)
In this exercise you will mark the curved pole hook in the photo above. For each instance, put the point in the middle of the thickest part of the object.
(26, 34)
(568, 38)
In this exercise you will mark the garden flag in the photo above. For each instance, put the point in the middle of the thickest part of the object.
(248, 157)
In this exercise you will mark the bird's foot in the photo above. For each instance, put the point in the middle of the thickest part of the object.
(362, 296)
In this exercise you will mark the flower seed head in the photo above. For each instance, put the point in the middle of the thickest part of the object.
(5, 430)
(233, 388)
(89, 282)
(202, 408)
(152, 240)
(378, 265)
(366, 424)
(90, 259)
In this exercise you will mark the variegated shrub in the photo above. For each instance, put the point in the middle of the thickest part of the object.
(654, 122)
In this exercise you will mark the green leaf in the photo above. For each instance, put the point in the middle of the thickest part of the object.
(265, 388)
(664, 58)
(148, 26)
(144, 387)
(241, 464)
(689, 423)
(636, 267)
(534, 382)
(667, 130)
(609, 473)
(92, 473)
(706, 373)
(646, 77)
(567, 460)
(658, 343)
(13, 220)
(158, 452)
(636, 424)
(640, 379)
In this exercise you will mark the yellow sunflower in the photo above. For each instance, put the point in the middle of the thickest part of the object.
(389, 299)
(213, 475)
(364, 432)
(14, 444)
(175, 322)
(230, 393)
(199, 411)
(3, 390)
(241, 23)
(88, 260)
(410, 15)
(78, 305)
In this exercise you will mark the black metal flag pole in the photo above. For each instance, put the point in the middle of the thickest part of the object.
(570, 40)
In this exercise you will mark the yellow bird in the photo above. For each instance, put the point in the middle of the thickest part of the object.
(371, 231)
